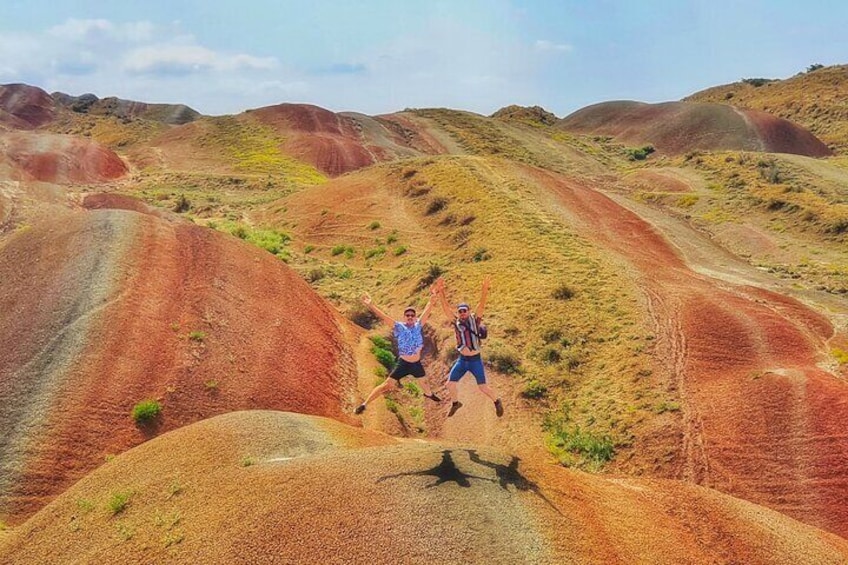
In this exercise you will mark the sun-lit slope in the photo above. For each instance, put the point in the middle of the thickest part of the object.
(817, 100)
(783, 213)
(60, 159)
(679, 127)
(565, 319)
(762, 418)
(102, 309)
(24, 107)
(271, 487)
(339, 143)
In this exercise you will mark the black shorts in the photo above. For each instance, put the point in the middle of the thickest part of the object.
(404, 368)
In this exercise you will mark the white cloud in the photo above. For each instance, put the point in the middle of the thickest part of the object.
(549, 46)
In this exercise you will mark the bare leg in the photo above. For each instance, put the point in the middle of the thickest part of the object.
(389, 384)
(484, 388)
(452, 392)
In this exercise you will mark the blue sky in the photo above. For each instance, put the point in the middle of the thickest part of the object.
(376, 56)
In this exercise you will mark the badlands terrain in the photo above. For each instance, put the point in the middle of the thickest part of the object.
(668, 330)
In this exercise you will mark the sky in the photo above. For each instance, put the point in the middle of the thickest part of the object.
(382, 56)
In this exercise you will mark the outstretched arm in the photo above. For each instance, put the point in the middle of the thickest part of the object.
(440, 288)
(379, 313)
(484, 295)
(426, 313)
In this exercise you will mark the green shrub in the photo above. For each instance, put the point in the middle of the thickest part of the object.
(534, 389)
(563, 292)
(118, 502)
(436, 205)
(482, 254)
(433, 272)
(309, 249)
(315, 275)
(392, 238)
(182, 204)
(337, 250)
(145, 411)
(384, 356)
(640, 153)
(374, 225)
(381, 342)
(814, 67)
(197, 335)
(580, 447)
(399, 250)
(504, 360)
(375, 252)
(550, 355)
(413, 388)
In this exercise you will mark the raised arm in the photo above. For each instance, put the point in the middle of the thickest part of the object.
(379, 313)
(440, 289)
(426, 313)
(484, 295)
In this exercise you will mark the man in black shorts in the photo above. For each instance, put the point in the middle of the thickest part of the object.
(410, 342)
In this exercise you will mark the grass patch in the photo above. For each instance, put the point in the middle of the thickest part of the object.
(581, 448)
(146, 411)
(118, 502)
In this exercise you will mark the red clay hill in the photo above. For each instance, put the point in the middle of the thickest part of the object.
(24, 107)
(273, 487)
(60, 159)
(107, 306)
(678, 127)
(338, 143)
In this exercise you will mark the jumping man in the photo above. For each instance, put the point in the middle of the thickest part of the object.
(410, 342)
(466, 325)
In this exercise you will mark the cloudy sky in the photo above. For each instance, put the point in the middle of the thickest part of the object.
(380, 56)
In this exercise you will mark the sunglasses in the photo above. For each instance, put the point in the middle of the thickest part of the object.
(409, 315)
(462, 310)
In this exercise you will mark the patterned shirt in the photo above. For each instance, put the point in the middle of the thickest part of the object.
(409, 340)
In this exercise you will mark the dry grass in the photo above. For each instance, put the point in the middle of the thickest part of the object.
(589, 349)
(817, 100)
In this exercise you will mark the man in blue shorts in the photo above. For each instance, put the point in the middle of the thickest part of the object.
(468, 339)
(410, 342)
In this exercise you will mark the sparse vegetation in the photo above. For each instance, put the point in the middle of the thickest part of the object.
(197, 335)
(146, 411)
(118, 502)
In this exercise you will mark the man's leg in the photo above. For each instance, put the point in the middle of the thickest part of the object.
(388, 384)
(476, 368)
(457, 371)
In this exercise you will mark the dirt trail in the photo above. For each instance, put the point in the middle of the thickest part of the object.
(762, 421)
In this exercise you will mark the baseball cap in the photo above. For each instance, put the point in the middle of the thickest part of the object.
(462, 305)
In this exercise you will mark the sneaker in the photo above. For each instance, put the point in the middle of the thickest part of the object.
(454, 407)
(498, 407)
(359, 409)
(433, 397)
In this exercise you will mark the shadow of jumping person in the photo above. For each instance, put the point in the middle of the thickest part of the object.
(445, 471)
(509, 475)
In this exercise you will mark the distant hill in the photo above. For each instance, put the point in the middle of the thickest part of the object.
(173, 114)
(817, 100)
(679, 127)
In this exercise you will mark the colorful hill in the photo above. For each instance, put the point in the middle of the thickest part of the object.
(816, 100)
(105, 308)
(673, 326)
(679, 127)
(266, 487)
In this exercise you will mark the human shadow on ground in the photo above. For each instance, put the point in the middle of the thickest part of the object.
(509, 475)
(445, 472)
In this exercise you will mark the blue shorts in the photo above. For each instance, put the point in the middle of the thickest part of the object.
(464, 364)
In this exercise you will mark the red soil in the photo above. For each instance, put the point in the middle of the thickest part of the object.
(761, 420)
(318, 491)
(339, 143)
(99, 308)
(678, 127)
(25, 107)
(60, 159)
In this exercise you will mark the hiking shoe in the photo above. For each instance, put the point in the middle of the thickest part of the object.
(433, 397)
(359, 409)
(498, 407)
(454, 407)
